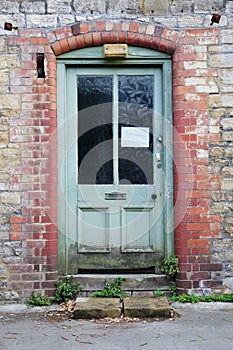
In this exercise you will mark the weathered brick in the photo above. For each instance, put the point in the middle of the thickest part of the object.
(57, 48)
(64, 45)
(97, 39)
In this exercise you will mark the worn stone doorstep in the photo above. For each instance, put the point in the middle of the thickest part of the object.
(141, 307)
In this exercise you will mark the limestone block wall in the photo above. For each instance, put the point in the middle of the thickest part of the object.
(203, 120)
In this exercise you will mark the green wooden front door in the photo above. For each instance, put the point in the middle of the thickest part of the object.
(113, 168)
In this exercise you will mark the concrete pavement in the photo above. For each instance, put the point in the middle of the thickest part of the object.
(43, 328)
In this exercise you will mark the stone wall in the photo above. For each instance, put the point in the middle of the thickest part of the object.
(28, 248)
(172, 13)
(203, 118)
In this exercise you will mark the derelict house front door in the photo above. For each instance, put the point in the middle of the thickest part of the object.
(114, 168)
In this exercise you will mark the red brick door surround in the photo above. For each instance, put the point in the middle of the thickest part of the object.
(99, 33)
(195, 226)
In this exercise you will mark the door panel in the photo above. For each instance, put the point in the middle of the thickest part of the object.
(137, 233)
(99, 242)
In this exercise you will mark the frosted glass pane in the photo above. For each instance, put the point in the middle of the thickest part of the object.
(136, 111)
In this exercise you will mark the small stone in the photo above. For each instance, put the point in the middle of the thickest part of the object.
(3, 284)
(227, 136)
(229, 229)
(9, 296)
(227, 171)
(227, 123)
(216, 152)
(229, 283)
(227, 184)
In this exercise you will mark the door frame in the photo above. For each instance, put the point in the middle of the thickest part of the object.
(66, 129)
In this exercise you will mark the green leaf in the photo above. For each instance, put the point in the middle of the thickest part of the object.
(37, 300)
(111, 290)
(65, 290)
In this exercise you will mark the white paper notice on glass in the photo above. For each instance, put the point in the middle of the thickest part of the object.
(135, 137)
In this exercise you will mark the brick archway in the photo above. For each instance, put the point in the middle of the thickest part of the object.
(97, 33)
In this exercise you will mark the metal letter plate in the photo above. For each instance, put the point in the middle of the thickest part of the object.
(115, 196)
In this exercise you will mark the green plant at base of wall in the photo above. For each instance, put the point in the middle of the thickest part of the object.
(192, 298)
(111, 290)
(37, 300)
(65, 290)
(159, 293)
(173, 290)
(171, 266)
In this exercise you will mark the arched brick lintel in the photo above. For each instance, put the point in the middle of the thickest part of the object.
(97, 33)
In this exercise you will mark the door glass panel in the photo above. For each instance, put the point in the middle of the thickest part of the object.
(95, 144)
(135, 148)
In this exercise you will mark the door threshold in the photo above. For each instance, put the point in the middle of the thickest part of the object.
(149, 270)
(133, 282)
(116, 274)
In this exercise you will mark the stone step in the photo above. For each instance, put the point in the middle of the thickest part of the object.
(132, 283)
(88, 308)
(147, 307)
(97, 308)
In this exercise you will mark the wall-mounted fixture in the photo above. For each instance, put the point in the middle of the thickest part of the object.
(215, 18)
(115, 50)
(40, 65)
(9, 26)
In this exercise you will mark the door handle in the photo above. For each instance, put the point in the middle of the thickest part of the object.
(160, 138)
(158, 157)
(154, 196)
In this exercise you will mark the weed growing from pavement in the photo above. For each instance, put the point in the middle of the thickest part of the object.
(36, 299)
(192, 298)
